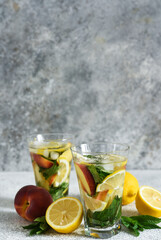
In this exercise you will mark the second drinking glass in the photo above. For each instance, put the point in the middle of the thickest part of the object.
(51, 160)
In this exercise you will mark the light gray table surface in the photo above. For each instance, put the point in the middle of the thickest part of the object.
(11, 223)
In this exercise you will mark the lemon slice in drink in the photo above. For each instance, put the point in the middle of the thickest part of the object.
(65, 214)
(52, 146)
(148, 201)
(112, 181)
(63, 147)
(119, 192)
(40, 180)
(93, 204)
(63, 172)
(67, 155)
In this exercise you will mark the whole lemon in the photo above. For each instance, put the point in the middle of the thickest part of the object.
(131, 187)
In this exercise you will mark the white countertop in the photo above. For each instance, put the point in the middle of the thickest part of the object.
(11, 222)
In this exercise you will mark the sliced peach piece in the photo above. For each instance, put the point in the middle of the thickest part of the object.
(86, 178)
(52, 179)
(102, 195)
(42, 162)
(82, 186)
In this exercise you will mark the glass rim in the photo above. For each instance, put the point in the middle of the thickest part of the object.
(61, 136)
(114, 143)
(77, 148)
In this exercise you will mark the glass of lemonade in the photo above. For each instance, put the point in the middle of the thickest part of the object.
(51, 158)
(100, 169)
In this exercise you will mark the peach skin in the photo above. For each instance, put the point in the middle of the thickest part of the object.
(31, 202)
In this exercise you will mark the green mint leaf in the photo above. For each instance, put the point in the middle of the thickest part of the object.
(97, 158)
(140, 228)
(139, 223)
(150, 226)
(30, 226)
(131, 224)
(43, 226)
(94, 173)
(34, 231)
(126, 221)
(38, 227)
(109, 213)
(96, 223)
(40, 219)
(49, 171)
(136, 232)
(106, 217)
(57, 192)
(90, 156)
(102, 173)
(40, 232)
(146, 218)
(98, 173)
(146, 221)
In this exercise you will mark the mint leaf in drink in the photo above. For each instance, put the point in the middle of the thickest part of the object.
(89, 156)
(107, 217)
(102, 173)
(49, 171)
(38, 227)
(94, 173)
(98, 173)
(139, 223)
(111, 212)
(58, 192)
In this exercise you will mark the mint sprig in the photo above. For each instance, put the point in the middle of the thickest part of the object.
(139, 223)
(38, 227)
(104, 218)
(49, 171)
(134, 224)
(98, 173)
(107, 217)
(58, 192)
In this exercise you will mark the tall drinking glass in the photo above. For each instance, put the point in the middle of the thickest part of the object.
(51, 158)
(100, 169)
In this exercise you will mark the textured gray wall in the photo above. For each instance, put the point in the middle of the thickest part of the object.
(92, 68)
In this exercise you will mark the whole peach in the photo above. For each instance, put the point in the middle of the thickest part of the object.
(31, 202)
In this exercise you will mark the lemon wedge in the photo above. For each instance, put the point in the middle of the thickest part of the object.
(92, 203)
(67, 155)
(63, 172)
(112, 181)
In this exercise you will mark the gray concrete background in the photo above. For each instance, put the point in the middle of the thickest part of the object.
(92, 68)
